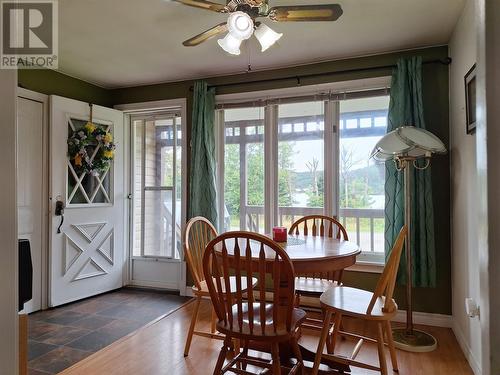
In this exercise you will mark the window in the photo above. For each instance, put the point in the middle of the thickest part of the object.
(244, 169)
(300, 161)
(157, 168)
(285, 159)
(361, 180)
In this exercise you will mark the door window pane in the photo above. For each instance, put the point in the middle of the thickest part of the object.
(361, 180)
(300, 160)
(158, 220)
(157, 177)
(244, 169)
(89, 180)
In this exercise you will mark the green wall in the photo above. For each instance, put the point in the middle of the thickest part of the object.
(435, 86)
(50, 82)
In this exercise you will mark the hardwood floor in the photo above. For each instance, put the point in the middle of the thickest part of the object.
(158, 349)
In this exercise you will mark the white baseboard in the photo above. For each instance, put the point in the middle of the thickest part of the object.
(428, 319)
(474, 364)
(154, 284)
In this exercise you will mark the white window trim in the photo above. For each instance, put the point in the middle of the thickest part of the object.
(271, 172)
(367, 267)
(334, 88)
(367, 261)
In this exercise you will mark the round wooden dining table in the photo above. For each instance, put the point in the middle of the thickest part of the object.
(315, 254)
(310, 254)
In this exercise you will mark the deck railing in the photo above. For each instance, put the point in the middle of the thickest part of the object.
(364, 225)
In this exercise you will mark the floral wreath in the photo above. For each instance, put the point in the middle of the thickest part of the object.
(82, 144)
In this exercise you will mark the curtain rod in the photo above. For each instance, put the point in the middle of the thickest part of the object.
(446, 61)
(305, 98)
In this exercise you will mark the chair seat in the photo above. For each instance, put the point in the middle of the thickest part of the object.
(281, 332)
(354, 302)
(203, 291)
(312, 286)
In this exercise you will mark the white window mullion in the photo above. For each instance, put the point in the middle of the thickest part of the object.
(220, 148)
(331, 150)
(271, 166)
(174, 187)
(143, 184)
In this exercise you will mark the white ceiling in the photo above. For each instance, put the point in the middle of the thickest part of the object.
(117, 43)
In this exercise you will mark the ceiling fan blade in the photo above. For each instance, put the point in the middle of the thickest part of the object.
(203, 4)
(210, 33)
(297, 13)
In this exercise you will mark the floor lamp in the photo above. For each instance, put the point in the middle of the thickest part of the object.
(405, 146)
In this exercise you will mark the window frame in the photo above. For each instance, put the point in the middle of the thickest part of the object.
(331, 95)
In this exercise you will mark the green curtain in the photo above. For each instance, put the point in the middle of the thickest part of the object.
(406, 108)
(202, 192)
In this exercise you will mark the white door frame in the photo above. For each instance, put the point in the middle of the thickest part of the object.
(44, 100)
(136, 108)
(9, 340)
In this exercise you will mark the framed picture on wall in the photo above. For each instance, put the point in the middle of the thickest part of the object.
(470, 100)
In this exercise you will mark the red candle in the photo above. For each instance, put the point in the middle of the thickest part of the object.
(279, 234)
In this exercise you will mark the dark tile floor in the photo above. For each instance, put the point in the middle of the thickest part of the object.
(60, 337)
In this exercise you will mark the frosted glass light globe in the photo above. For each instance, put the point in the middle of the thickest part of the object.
(230, 44)
(266, 36)
(240, 25)
(407, 141)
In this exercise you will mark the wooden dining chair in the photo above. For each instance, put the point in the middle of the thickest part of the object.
(250, 317)
(199, 232)
(378, 308)
(315, 283)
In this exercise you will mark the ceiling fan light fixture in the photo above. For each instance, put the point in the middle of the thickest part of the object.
(230, 44)
(240, 25)
(266, 36)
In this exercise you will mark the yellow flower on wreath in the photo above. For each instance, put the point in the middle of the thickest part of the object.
(89, 127)
(108, 154)
(108, 138)
(78, 160)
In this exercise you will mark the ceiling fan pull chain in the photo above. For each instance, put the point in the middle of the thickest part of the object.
(249, 53)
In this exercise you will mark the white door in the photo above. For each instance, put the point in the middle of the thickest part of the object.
(30, 191)
(87, 256)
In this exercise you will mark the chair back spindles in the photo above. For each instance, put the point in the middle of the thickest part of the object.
(387, 281)
(199, 232)
(322, 226)
(249, 274)
(238, 259)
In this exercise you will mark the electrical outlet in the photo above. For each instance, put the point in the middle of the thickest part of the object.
(471, 308)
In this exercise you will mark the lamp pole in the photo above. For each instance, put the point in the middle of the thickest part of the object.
(409, 308)
(410, 339)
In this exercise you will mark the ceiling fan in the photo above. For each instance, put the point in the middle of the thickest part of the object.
(242, 21)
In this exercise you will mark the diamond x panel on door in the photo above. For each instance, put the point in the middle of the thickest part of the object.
(87, 169)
